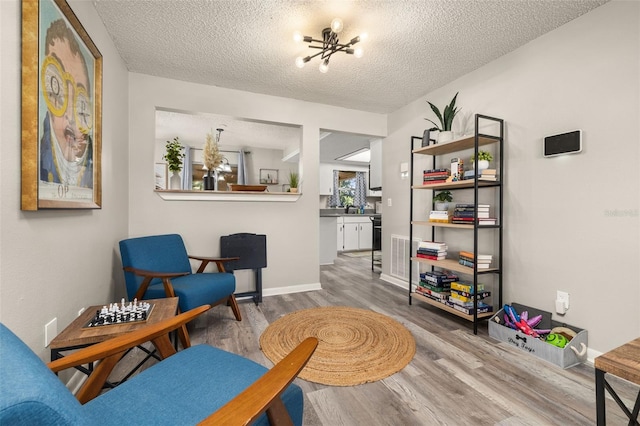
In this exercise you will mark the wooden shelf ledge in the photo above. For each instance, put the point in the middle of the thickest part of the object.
(176, 195)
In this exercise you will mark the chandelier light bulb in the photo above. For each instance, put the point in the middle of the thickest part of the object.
(337, 25)
(364, 36)
(358, 52)
(297, 36)
(300, 62)
(324, 66)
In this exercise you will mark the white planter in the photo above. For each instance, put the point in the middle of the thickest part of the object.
(483, 164)
(445, 137)
(175, 182)
(441, 206)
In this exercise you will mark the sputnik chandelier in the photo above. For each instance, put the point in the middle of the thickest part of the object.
(329, 45)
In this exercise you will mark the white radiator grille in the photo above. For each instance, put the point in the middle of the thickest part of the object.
(400, 257)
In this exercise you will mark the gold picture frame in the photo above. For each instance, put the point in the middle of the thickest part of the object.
(61, 110)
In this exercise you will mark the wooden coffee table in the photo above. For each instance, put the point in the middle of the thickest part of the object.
(76, 336)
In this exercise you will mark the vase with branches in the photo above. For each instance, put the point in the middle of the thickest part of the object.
(212, 158)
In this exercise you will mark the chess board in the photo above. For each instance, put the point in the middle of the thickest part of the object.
(121, 313)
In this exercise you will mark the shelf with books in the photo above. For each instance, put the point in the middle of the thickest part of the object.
(451, 225)
(442, 224)
(459, 184)
(447, 163)
(450, 309)
(453, 265)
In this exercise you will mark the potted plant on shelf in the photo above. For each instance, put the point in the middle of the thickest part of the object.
(442, 200)
(446, 120)
(173, 157)
(483, 160)
(294, 180)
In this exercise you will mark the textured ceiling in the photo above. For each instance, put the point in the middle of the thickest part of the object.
(413, 48)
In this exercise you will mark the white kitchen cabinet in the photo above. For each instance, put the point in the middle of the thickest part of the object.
(358, 233)
(372, 192)
(351, 235)
(365, 235)
(326, 179)
(340, 235)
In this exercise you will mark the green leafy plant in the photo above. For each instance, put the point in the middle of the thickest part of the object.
(482, 155)
(294, 179)
(174, 154)
(443, 197)
(446, 119)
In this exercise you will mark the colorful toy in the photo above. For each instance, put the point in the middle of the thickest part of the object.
(557, 340)
(522, 322)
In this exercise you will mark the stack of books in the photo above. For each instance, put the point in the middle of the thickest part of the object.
(431, 176)
(441, 216)
(462, 294)
(464, 289)
(466, 258)
(432, 250)
(436, 285)
(465, 213)
(488, 174)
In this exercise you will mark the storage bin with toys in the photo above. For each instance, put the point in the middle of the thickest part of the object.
(533, 331)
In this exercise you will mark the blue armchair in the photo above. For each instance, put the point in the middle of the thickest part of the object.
(158, 266)
(184, 388)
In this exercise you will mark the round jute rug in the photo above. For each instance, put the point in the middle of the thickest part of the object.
(355, 346)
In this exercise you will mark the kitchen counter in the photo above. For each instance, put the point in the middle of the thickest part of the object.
(341, 213)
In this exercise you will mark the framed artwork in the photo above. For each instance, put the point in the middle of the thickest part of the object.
(269, 176)
(61, 110)
(161, 174)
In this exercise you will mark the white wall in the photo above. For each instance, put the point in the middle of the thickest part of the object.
(572, 222)
(55, 262)
(292, 229)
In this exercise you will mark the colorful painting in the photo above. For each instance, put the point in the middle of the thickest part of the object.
(61, 109)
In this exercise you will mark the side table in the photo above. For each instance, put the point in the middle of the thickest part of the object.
(623, 362)
(75, 336)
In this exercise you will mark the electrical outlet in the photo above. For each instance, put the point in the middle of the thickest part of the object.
(562, 302)
(50, 331)
(388, 202)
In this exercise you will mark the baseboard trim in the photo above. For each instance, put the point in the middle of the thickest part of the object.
(393, 280)
(76, 381)
(276, 291)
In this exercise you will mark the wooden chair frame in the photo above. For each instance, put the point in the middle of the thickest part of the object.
(168, 287)
(261, 396)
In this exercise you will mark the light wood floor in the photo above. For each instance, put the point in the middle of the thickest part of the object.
(455, 378)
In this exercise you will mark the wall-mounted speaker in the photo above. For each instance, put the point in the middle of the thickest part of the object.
(564, 143)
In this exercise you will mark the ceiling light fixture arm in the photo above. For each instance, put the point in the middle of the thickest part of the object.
(329, 45)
